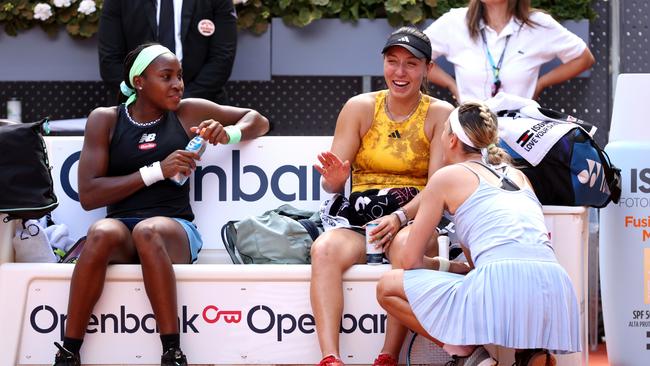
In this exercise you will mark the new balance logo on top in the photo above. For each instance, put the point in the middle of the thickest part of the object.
(404, 39)
(395, 134)
(147, 137)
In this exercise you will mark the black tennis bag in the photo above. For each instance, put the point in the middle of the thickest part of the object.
(557, 153)
(26, 186)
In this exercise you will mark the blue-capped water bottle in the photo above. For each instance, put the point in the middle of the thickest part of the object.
(197, 145)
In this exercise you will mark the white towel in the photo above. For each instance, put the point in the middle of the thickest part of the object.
(32, 245)
(59, 237)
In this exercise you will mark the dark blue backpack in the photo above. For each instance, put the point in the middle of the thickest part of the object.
(571, 170)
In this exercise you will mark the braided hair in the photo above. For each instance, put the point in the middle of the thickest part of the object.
(481, 127)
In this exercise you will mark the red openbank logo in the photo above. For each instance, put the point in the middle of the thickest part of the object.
(260, 319)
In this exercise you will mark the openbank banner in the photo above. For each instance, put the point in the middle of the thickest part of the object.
(231, 182)
(222, 322)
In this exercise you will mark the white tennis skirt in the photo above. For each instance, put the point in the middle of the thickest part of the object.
(515, 303)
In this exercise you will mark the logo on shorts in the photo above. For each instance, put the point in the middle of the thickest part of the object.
(206, 27)
(147, 141)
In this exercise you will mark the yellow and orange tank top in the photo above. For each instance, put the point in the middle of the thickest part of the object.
(393, 154)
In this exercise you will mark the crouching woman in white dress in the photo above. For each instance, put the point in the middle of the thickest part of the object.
(516, 295)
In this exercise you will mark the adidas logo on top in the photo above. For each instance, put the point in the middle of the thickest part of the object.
(404, 39)
(395, 134)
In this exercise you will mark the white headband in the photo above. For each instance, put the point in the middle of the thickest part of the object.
(456, 128)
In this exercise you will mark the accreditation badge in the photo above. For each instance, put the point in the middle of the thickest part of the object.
(206, 27)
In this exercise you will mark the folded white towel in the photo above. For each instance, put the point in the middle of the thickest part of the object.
(32, 245)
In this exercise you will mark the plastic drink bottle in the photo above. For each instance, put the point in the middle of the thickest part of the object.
(197, 145)
(443, 245)
(14, 110)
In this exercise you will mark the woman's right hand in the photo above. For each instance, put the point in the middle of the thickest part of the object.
(180, 161)
(334, 171)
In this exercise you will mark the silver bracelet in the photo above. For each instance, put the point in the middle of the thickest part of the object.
(401, 215)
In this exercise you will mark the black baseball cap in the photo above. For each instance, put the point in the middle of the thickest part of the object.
(413, 40)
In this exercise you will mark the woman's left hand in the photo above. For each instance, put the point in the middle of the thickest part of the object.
(459, 267)
(387, 227)
(212, 131)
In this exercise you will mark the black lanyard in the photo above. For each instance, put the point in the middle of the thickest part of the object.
(496, 80)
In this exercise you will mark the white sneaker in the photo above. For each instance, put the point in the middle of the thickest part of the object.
(480, 357)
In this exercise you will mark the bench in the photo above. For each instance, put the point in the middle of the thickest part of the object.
(229, 314)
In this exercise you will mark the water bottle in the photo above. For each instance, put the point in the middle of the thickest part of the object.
(197, 145)
(14, 110)
(443, 245)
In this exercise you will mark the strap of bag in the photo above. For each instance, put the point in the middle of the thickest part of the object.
(546, 114)
(228, 237)
(294, 213)
(311, 227)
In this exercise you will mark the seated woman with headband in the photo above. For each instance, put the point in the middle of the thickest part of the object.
(129, 154)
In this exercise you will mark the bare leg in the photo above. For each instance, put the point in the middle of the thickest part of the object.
(395, 330)
(391, 296)
(108, 241)
(161, 241)
(332, 254)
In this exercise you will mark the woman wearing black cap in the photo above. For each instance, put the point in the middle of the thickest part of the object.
(384, 139)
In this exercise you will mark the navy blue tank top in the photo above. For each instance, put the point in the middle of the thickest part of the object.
(134, 146)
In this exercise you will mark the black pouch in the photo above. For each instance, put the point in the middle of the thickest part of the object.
(26, 186)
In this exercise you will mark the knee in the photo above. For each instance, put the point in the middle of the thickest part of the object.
(382, 290)
(147, 239)
(386, 287)
(396, 249)
(321, 251)
(103, 239)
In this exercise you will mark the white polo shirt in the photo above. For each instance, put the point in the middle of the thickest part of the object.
(528, 48)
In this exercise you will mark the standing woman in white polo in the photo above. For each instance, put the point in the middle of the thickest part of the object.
(499, 45)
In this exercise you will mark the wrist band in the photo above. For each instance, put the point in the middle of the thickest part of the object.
(401, 215)
(151, 173)
(443, 264)
(234, 134)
